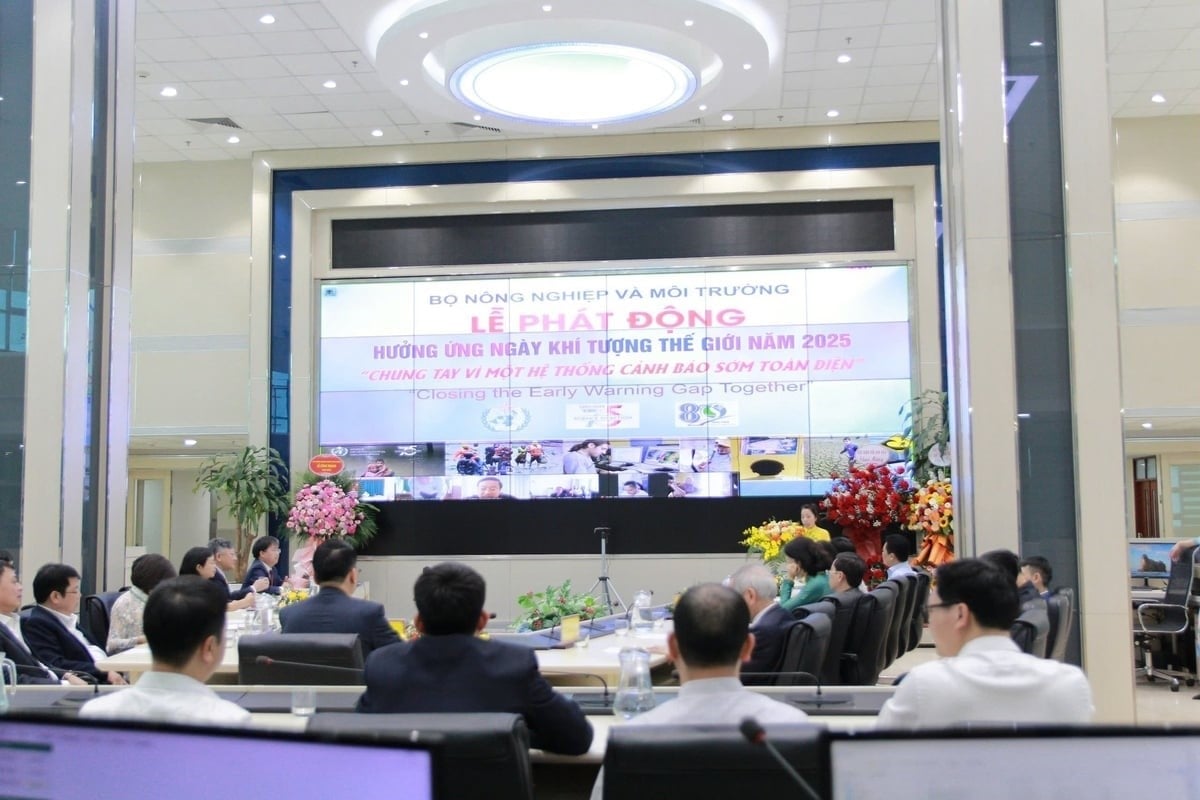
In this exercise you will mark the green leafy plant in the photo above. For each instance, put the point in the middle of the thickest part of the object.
(546, 609)
(925, 424)
(251, 485)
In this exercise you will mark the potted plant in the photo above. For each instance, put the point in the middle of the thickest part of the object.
(542, 610)
(250, 484)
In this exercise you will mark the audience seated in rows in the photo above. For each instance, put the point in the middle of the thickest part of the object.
(265, 551)
(710, 641)
(450, 669)
(184, 621)
(52, 630)
(896, 552)
(804, 559)
(225, 556)
(769, 622)
(982, 677)
(125, 619)
(12, 640)
(334, 609)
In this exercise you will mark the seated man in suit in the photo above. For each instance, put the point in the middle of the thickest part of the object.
(184, 621)
(769, 622)
(265, 551)
(846, 575)
(982, 676)
(450, 669)
(335, 609)
(1008, 563)
(225, 555)
(12, 641)
(896, 552)
(1036, 572)
(52, 628)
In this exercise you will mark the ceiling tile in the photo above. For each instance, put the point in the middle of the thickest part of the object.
(335, 39)
(285, 139)
(884, 112)
(295, 104)
(900, 11)
(172, 50)
(206, 70)
(256, 67)
(285, 16)
(314, 121)
(152, 25)
(911, 54)
(314, 15)
(220, 90)
(277, 87)
(312, 64)
(845, 15)
(896, 76)
(1127, 82)
(350, 101)
(836, 38)
(908, 34)
(1150, 41)
(363, 119)
(289, 42)
(233, 46)
(905, 93)
(804, 19)
(215, 22)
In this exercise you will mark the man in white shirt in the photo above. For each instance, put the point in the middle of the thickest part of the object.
(982, 676)
(184, 623)
(710, 641)
(52, 630)
(896, 553)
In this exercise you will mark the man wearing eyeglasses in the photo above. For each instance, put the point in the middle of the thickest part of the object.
(52, 631)
(982, 677)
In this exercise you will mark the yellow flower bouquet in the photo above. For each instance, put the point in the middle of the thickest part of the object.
(768, 539)
(289, 596)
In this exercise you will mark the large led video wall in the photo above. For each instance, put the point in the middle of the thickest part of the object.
(624, 384)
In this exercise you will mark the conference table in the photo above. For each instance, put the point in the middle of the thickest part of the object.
(600, 658)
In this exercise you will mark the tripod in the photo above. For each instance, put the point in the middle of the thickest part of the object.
(604, 581)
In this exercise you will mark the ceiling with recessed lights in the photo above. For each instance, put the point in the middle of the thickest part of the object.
(252, 75)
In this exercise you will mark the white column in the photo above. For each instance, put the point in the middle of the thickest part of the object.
(979, 324)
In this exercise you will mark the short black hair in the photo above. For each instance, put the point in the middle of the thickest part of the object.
(810, 558)
(850, 565)
(813, 508)
(492, 478)
(333, 560)
(149, 570)
(632, 483)
(985, 588)
(217, 544)
(711, 625)
(1004, 560)
(262, 543)
(449, 598)
(1040, 565)
(194, 559)
(7, 556)
(898, 546)
(180, 614)
(843, 544)
(52, 578)
(6, 563)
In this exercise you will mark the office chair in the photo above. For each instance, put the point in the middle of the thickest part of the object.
(1169, 621)
(917, 621)
(865, 653)
(95, 614)
(1031, 631)
(321, 659)
(1060, 606)
(803, 651)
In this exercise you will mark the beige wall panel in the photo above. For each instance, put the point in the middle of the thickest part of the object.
(1158, 262)
(191, 295)
(1156, 371)
(1155, 160)
(189, 390)
(184, 200)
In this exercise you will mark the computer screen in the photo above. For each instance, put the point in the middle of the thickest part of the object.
(66, 759)
(991, 765)
(1149, 559)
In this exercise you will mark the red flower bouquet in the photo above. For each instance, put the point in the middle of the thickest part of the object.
(865, 501)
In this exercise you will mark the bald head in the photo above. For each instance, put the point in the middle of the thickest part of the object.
(711, 626)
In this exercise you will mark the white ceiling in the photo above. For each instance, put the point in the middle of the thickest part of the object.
(269, 79)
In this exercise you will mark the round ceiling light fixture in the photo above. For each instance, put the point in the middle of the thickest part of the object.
(578, 83)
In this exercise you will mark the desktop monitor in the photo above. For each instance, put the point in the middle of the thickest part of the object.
(990, 764)
(1149, 558)
(65, 759)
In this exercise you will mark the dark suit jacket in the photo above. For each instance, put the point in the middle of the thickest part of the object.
(770, 633)
(29, 670)
(333, 611)
(463, 673)
(233, 594)
(55, 646)
(260, 570)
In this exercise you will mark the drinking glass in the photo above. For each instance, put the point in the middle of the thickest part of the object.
(304, 702)
(621, 627)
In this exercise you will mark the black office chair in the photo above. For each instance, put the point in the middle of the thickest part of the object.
(321, 659)
(1031, 631)
(905, 590)
(483, 756)
(650, 762)
(95, 613)
(866, 644)
(1168, 620)
(1060, 606)
(917, 621)
(804, 651)
(840, 611)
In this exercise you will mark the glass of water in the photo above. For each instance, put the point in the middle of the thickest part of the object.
(621, 627)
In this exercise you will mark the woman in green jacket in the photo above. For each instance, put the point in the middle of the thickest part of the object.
(804, 559)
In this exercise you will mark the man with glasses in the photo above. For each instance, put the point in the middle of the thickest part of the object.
(52, 631)
(982, 676)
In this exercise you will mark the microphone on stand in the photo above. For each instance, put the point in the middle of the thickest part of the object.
(755, 734)
(267, 661)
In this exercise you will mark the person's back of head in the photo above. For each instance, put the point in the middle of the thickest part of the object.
(758, 578)
(987, 591)
(1004, 560)
(841, 544)
(898, 546)
(52, 578)
(711, 626)
(851, 567)
(449, 598)
(194, 559)
(181, 613)
(333, 560)
(151, 569)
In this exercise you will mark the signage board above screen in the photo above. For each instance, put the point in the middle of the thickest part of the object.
(727, 382)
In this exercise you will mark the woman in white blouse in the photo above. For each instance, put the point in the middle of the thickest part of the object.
(125, 619)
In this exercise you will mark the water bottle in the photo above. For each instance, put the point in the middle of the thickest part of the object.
(635, 693)
(643, 620)
(8, 681)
